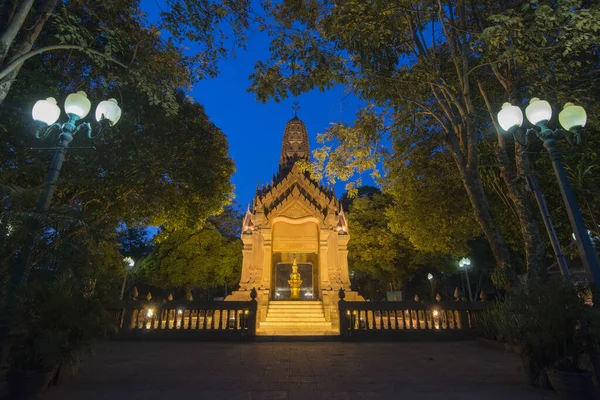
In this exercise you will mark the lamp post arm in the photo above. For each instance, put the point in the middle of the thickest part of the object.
(584, 244)
(85, 126)
(104, 125)
(525, 141)
(43, 131)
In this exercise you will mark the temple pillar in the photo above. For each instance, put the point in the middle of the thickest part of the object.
(247, 250)
(342, 260)
(323, 260)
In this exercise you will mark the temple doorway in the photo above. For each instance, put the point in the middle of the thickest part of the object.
(307, 268)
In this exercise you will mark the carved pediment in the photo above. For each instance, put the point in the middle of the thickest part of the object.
(295, 210)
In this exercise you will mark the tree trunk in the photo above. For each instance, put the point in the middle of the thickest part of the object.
(188, 292)
(513, 179)
(533, 242)
(475, 192)
(13, 27)
(24, 45)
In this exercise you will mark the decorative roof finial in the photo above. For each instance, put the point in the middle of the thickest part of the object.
(296, 107)
(342, 225)
(247, 224)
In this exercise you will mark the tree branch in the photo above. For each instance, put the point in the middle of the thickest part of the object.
(19, 60)
(11, 31)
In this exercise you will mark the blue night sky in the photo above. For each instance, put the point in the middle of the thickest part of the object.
(255, 130)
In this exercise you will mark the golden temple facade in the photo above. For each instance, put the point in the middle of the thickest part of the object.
(295, 223)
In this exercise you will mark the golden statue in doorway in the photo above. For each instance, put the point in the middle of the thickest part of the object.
(295, 281)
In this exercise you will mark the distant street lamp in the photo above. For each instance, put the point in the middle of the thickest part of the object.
(464, 264)
(572, 118)
(430, 277)
(130, 264)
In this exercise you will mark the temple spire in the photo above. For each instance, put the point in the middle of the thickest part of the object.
(295, 139)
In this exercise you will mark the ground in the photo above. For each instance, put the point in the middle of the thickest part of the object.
(296, 370)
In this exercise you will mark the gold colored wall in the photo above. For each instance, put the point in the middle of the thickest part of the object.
(295, 238)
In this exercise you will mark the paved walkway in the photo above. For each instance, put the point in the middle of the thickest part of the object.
(290, 371)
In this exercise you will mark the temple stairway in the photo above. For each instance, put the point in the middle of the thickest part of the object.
(295, 318)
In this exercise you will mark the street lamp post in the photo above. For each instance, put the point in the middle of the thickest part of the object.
(572, 118)
(130, 263)
(464, 264)
(77, 106)
(46, 113)
(430, 277)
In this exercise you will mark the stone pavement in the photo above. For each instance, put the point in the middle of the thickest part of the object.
(296, 370)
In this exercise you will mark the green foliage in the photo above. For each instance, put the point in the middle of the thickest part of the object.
(551, 42)
(123, 48)
(62, 243)
(374, 249)
(433, 75)
(430, 207)
(378, 254)
(550, 325)
(151, 169)
(135, 242)
(57, 323)
(228, 222)
(348, 151)
(190, 259)
(164, 164)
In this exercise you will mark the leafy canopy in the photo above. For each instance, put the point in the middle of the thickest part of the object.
(376, 252)
(193, 259)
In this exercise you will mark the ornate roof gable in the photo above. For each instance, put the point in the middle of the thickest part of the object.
(299, 185)
(293, 192)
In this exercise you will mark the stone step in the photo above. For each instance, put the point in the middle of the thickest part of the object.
(294, 309)
(296, 319)
(292, 332)
(297, 324)
(292, 315)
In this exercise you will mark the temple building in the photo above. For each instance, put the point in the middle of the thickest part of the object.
(295, 247)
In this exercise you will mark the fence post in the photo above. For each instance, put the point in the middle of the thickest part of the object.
(464, 317)
(342, 308)
(127, 316)
(252, 314)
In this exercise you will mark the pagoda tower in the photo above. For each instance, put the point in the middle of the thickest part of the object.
(295, 223)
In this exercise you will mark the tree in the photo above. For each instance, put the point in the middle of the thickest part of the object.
(229, 221)
(86, 252)
(430, 206)
(134, 242)
(192, 259)
(151, 169)
(423, 64)
(376, 253)
(551, 52)
(159, 166)
(115, 35)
